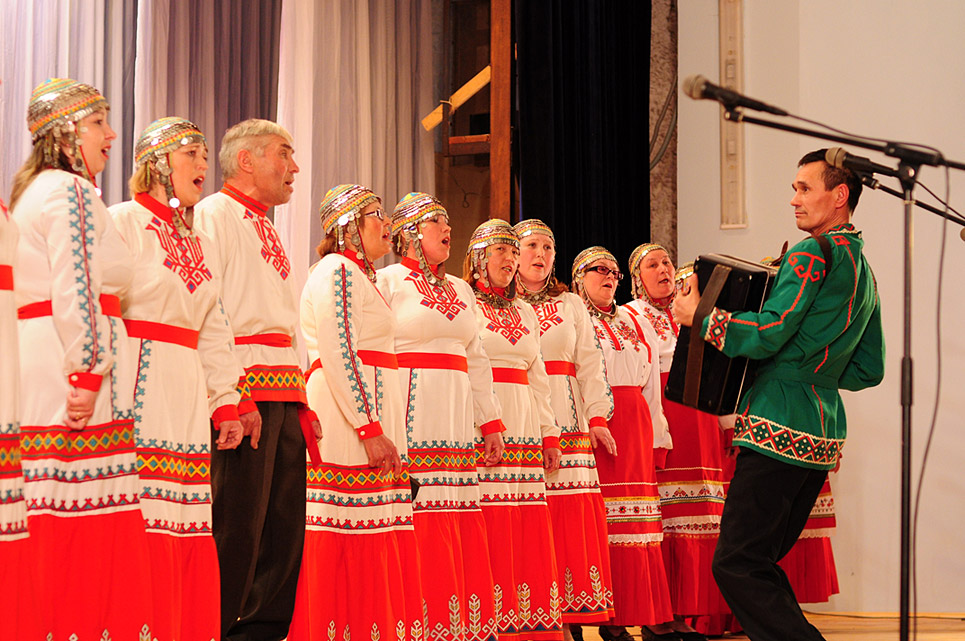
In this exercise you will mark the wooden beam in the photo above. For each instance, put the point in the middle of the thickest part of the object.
(499, 109)
(459, 98)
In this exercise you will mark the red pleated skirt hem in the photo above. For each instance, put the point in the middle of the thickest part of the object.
(89, 575)
(523, 558)
(693, 590)
(359, 586)
(811, 571)
(582, 556)
(641, 595)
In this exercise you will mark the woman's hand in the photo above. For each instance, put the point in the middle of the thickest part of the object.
(493, 447)
(383, 454)
(552, 456)
(80, 407)
(602, 436)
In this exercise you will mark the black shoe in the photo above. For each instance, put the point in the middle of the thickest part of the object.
(576, 632)
(692, 636)
(606, 635)
(649, 635)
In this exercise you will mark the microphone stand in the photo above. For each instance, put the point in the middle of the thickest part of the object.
(910, 161)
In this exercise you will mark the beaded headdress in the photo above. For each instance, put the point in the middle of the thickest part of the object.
(636, 257)
(341, 210)
(159, 139)
(55, 107)
(526, 228)
(583, 260)
(414, 208)
(492, 232)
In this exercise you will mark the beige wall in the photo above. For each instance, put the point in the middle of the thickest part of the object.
(843, 63)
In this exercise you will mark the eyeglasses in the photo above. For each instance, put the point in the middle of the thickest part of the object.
(378, 213)
(605, 271)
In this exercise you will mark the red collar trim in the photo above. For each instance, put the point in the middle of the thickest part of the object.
(247, 202)
(351, 255)
(413, 264)
(499, 291)
(152, 204)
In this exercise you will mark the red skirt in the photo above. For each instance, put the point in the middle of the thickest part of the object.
(186, 593)
(523, 560)
(358, 586)
(810, 563)
(641, 595)
(457, 580)
(582, 556)
(691, 501)
(89, 576)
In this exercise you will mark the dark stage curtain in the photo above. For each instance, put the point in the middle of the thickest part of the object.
(583, 86)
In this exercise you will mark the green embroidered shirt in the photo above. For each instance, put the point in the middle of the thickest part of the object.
(817, 333)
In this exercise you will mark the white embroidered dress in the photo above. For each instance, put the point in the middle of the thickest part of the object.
(514, 490)
(447, 385)
(186, 373)
(581, 398)
(359, 571)
(80, 486)
(628, 481)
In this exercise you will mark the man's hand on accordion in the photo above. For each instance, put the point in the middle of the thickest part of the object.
(686, 301)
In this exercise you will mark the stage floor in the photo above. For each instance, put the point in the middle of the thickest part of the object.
(861, 627)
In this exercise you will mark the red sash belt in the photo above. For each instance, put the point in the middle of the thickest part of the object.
(110, 306)
(560, 368)
(162, 332)
(6, 277)
(269, 339)
(510, 375)
(386, 360)
(430, 360)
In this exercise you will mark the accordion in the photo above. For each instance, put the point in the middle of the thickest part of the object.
(701, 376)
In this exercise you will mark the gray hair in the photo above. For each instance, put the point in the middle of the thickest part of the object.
(253, 135)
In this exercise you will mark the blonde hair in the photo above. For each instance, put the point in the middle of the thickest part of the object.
(32, 167)
(141, 180)
(253, 135)
(329, 245)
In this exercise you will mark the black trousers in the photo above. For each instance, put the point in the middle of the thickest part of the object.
(766, 509)
(258, 505)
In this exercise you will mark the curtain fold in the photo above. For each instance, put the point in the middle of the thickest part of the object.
(354, 80)
(583, 94)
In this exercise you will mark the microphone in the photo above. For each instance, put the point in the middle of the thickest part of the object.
(838, 157)
(699, 88)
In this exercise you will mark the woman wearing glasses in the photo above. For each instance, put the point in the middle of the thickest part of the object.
(359, 577)
(641, 595)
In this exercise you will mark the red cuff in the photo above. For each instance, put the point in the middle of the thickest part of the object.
(371, 430)
(492, 427)
(247, 406)
(86, 380)
(551, 442)
(598, 421)
(307, 414)
(224, 413)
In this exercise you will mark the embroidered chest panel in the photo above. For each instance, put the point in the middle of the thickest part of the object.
(183, 255)
(616, 334)
(506, 321)
(442, 299)
(271, 248)
(660, 322)
(548, 315)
